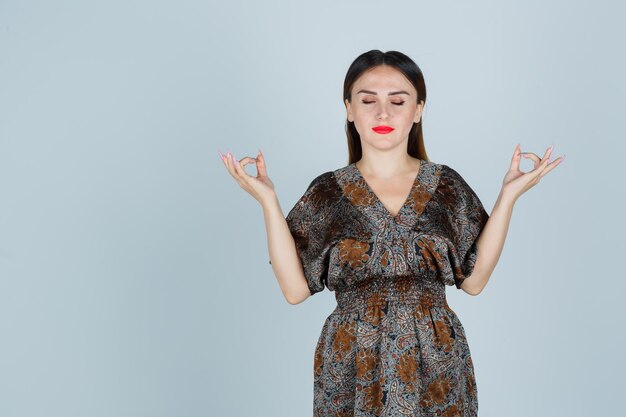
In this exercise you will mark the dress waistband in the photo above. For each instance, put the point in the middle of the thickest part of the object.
(381, 290)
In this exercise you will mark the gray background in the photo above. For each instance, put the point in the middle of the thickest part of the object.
(133, 270)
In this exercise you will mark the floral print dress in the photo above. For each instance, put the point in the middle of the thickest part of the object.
(392, 346)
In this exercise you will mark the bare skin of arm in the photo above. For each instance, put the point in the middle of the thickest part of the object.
(285, 261)
(491, 240)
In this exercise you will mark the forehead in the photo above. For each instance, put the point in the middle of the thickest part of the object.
(383, 79)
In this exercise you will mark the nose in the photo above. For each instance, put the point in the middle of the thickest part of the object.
(382, 112)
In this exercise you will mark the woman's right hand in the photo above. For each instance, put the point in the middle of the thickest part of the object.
(259, 187)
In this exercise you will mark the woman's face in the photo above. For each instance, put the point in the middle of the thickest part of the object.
(383, 96)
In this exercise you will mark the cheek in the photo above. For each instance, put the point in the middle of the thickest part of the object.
(407, 115)
(406, 111)
(363, 117)
(364, 112)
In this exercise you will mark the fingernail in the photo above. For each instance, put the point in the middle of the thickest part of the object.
(220, 153)
(233, 157)
(551, 146)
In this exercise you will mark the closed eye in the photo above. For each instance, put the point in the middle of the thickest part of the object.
(370, 102)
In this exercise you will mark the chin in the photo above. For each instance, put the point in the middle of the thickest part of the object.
(382, 143)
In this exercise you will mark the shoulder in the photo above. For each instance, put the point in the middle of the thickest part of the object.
(323, 187)
(450, 178)
(322, 192)
(452, 189)
(317, 203)
(322, 180)
(447, 173)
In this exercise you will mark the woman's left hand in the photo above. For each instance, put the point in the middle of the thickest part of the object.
(516, 182)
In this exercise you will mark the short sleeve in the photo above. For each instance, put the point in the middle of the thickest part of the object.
(466, 218)
(309, 223)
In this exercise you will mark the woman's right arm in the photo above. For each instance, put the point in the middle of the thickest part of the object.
(284, 258)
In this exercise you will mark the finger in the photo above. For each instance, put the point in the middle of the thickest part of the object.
(551, 165)
(546, 157)
(236, 166)
(231, 165)
(245, 161)
(547, 169)
(517, 153)
(548, 152)
(530, 155)
(541, 167)
(224, 158)
(260, 165)
(240, 172)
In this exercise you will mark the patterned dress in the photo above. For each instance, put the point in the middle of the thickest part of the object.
(392, 346)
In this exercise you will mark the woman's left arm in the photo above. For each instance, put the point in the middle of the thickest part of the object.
(491, 240)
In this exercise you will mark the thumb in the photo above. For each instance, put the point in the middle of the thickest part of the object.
(260, 164)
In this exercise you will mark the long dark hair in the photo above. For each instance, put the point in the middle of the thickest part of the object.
(411, 71)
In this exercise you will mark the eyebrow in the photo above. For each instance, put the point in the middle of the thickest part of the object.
(393, 93)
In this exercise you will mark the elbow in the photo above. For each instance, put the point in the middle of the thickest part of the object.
(295, 299)
(469, 287)
(471, 292)
(476, 290)
(475, 283)
(292, 301)
(290, 298)
(474, 293)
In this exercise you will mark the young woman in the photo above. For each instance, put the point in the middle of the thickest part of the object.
(387, 233)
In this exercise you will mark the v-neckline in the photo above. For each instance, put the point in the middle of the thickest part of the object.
(379, 201)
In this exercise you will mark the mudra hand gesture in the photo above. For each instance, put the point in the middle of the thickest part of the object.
(259, 187)
(516, 182)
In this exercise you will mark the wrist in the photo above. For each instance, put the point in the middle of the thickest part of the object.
(270, 201)
(507, 198)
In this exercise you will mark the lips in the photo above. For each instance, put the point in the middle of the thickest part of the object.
(382, 129)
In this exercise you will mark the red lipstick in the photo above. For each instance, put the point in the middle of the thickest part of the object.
(382, 129)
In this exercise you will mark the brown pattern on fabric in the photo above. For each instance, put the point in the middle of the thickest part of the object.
(392, 346)
(353, 252)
